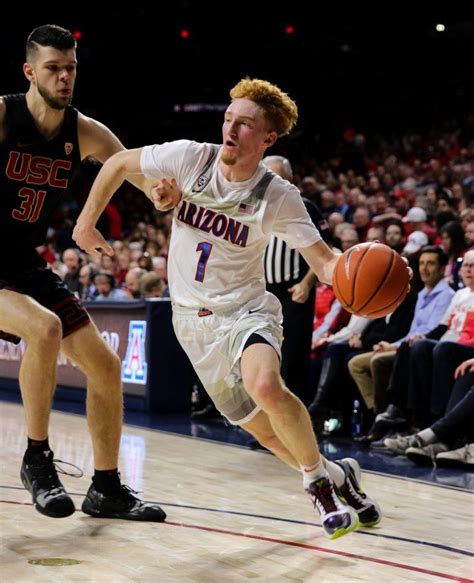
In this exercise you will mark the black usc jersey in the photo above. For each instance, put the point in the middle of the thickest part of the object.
(35, 176)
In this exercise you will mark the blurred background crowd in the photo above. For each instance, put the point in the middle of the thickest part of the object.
(384, 147)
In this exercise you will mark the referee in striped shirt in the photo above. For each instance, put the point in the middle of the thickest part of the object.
(289, 278)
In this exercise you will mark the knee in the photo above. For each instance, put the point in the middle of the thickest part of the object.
(355, 366)
(47, 329)
(112, 364)
(445, 350)
(267, 390)
(54, 329)
(105, 367)
(421, 348)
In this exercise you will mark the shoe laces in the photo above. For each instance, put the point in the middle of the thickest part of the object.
(406, 441)
(129, 490)
(46, 474)
(60, 470)
(127, 494)
(324, 496)
(432, 450)
(355, 493)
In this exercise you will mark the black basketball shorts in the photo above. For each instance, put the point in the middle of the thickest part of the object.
(50, 291)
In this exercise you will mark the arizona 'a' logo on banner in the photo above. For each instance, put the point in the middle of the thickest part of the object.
(134, 366)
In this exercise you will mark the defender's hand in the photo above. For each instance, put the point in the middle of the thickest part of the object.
(90, 240)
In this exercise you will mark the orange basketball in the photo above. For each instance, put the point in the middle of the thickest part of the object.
(370, 280)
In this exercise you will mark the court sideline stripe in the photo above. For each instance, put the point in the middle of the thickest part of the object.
(301, 546)
(324, 550)
(308, 523)
(279, 519)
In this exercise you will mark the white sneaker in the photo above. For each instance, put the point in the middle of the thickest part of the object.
(401, 443)
(367, 508)
(337, 518)
(457, 458)
(425, 455)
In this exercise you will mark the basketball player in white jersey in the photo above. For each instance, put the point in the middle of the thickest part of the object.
(227, 204)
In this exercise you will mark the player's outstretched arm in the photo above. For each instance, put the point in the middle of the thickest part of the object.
(110, 178)
(99, 142)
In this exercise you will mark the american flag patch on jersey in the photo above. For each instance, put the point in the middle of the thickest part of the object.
(246, 209)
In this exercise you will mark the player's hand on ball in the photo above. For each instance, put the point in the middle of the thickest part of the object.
(410, 270)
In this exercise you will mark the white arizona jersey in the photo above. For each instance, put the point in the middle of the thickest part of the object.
(221, 228)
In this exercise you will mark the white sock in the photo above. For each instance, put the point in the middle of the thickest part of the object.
(312, 473)
(427, 436)
(336, 472)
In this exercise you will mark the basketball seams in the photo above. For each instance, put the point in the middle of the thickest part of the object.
(356, 270)
(340, 267)
(382, 282)
(394, 304)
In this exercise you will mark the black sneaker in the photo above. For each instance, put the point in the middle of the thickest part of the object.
(337, 518)
(40, 477)
(367, 509)
(390, 420)
(125, 506)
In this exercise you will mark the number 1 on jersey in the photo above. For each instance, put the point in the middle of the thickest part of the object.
(205, 250)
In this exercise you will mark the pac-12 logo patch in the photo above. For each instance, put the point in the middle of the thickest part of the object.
(134, 367)
(201, 183)
(68, 147)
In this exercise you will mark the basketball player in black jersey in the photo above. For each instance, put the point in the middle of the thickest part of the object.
(42, 142)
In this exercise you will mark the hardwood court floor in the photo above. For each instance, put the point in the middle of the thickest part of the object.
(233, 515)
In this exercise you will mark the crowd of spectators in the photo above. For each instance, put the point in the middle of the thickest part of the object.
(415, 194)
